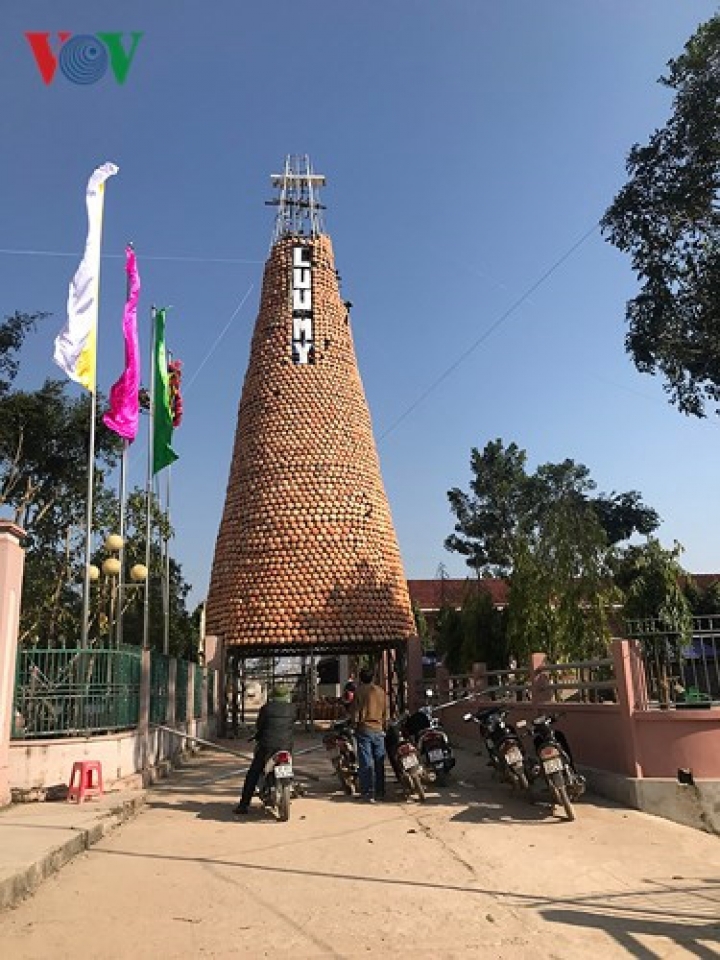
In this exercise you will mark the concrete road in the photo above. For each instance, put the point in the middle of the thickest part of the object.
(474, 872)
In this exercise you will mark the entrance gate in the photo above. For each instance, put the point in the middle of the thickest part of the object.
(297, 668)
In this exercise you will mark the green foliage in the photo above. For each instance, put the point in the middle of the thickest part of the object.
(667, 219)
(507, 508)
(651, 579)
(13, 331)
(421, 625)
(489, 517)
(703, 602)
(552, 536)
(450, 637)
(44, 443)
(484, 632)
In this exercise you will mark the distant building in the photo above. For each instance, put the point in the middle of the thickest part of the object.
(430, 596)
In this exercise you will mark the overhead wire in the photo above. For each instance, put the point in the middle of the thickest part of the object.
(118, 256)
(491, 329)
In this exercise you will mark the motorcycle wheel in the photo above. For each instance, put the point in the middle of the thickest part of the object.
(441, 778)
(521, 779)
(418, 787)
(283, 802)
(562, 798)
(346, 784)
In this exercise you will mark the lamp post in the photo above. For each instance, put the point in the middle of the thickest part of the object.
(112, 569)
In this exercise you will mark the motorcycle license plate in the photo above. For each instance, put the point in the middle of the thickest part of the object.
(435, 756)
(409, 763)
(283, 771)
(513, 756)
(553, 766)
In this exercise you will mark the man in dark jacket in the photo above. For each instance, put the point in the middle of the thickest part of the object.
(274, 731)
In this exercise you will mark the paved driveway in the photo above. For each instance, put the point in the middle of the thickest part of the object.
(474, 872)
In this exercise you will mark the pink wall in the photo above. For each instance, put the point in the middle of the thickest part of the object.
(595, 731)
(618, 737)
(670, 739)
(12, 559)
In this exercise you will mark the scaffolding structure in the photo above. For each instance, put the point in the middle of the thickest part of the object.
(298, 200)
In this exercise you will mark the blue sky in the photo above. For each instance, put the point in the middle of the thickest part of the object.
(468, 144)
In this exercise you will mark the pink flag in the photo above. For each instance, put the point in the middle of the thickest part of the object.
(124, 410)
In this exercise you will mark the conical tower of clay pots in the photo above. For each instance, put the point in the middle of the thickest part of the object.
(306, 554)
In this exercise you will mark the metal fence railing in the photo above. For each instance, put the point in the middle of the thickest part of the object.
(211, 680)
(72, 693)
(197, 690)
(75, 692)
(181, 692)
(678, 672)
(159, 686)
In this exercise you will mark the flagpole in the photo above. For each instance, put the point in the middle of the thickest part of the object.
(123, 495)
(76, 346)
(121, 575)
(148, 485)
(88, 524)
(166, 572)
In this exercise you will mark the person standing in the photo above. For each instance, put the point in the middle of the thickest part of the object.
(370, 720)
(273, 732)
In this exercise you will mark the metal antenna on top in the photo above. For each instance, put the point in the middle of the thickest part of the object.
(298, 199)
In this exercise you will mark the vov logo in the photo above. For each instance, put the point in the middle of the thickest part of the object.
(84, 57)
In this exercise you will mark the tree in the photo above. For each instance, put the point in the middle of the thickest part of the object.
(44, 444)
(651, 579)
(489, 517)
(484, 632)
(666, 218)
(658, 612)
(705, 601)
(13, 331)
(421, 625)
(507, 507)
(449, 637)
(552, 537)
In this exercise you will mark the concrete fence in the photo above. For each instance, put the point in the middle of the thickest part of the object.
(630, 752)
(41, 765)
(40, 768)
(615, 734)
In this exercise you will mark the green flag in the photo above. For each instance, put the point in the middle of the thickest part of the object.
(163, 453)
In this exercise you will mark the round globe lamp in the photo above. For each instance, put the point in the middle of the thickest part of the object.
(114, 543)
(138, 573)
(111, 567)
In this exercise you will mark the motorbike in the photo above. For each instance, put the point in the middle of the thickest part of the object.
(404, 760)
(276, 784)
(433, 744)
(503, 744)
(341, 747)
(555, 763)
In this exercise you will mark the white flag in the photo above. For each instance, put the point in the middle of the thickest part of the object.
(75, 346)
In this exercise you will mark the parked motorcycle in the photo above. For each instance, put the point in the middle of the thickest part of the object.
(555, 763)
(340, 745)
(433, 744)
(276, 784)
(404, 760)
(502, 742)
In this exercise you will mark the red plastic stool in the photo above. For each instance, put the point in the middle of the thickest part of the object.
(84, 786)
